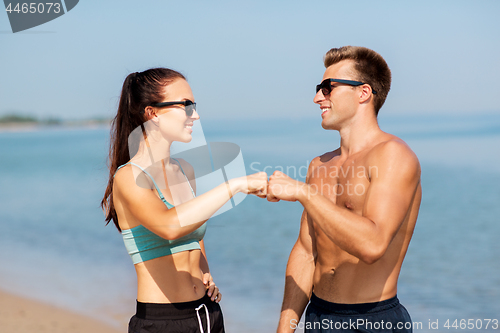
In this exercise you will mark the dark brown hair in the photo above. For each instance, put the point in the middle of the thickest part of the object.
(369, 67)
(139, 90)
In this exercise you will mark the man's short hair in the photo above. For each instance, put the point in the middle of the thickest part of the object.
(369, 67)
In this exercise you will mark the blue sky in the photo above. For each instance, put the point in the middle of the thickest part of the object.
(252, 59)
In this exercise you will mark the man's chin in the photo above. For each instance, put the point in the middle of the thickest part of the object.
(328, 126)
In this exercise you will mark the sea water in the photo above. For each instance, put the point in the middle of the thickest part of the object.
(56, 248)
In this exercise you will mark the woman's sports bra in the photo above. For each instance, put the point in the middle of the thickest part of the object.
(143, 245)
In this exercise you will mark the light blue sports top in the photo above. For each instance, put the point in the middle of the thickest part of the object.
(143, 245)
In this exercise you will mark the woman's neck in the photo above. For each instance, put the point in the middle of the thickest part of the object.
(151, 153)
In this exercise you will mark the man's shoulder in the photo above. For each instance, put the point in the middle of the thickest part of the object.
(326, 157)
(391, 145)
(391, 152)
(319, 161)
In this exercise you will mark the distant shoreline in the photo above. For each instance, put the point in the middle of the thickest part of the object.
(38, 126)
(18, 122)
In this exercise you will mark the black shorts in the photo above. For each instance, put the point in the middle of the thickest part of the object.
(384, 316)
(177, 317)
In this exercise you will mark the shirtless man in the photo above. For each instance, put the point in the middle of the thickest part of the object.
(360, 203)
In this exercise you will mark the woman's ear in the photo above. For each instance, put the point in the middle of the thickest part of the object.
(149, 112)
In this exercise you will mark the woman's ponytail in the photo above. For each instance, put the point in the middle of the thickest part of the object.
(138, 91)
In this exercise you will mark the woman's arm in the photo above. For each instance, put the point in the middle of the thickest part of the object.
(146, 208)
(213, 290)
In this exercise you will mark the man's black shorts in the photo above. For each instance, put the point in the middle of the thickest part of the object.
(385, 316)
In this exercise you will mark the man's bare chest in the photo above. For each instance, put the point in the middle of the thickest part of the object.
(346, 184)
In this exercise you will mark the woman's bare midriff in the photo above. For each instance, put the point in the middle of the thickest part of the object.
(170, 279)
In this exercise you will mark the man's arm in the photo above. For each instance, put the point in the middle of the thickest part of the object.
(299, 278)
(394, 181)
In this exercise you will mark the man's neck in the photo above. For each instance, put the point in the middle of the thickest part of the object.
(358, 134)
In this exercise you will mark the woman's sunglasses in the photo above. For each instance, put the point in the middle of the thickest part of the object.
(326, 85)
(189, 106)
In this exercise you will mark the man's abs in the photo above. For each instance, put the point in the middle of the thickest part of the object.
(340, 277)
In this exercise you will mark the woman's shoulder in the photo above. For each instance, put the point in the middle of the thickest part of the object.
(130, 178)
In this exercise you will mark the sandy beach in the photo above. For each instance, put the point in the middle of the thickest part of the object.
(21, 315)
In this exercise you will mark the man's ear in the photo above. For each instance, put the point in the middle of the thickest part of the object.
(365, 93)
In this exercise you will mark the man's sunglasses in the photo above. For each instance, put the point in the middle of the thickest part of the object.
(326, 85)
(189, 106)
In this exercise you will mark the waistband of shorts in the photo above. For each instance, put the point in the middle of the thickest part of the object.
(166, 311)
(355, 309)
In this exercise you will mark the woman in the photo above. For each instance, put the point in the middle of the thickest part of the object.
(175, 290)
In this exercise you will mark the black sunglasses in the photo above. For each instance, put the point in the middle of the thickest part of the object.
(326, 85)
(189, 106)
